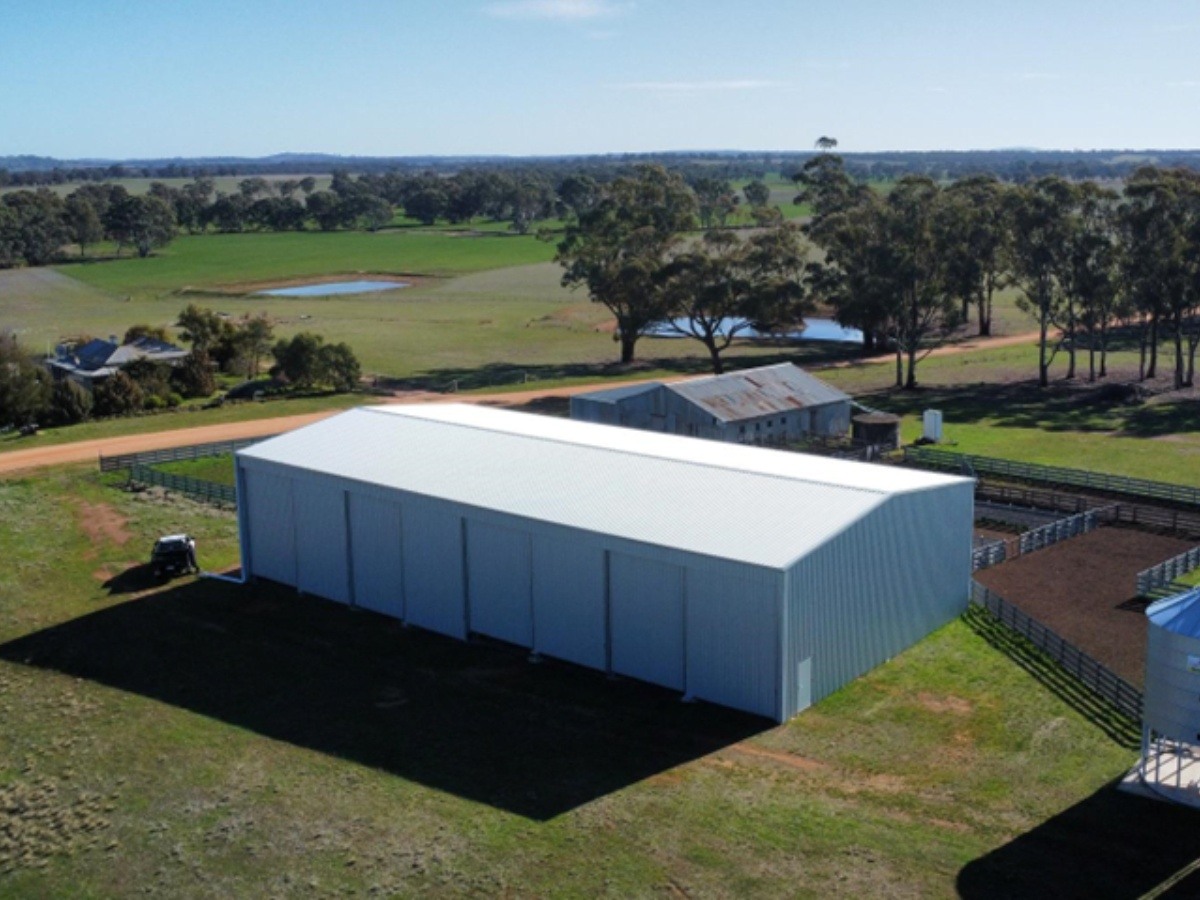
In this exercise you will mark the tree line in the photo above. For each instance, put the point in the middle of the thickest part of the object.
(908, 266)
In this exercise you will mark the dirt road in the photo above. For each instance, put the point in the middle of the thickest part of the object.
(84, 451)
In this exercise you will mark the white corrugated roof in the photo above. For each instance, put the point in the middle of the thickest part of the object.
(759, 506)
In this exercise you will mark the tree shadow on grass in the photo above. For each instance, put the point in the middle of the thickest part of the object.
(1112, 844)
(504, 374)
(473, 719)
(1062, 407)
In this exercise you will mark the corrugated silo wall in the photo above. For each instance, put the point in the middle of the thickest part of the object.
(875, 589)
(703, 626)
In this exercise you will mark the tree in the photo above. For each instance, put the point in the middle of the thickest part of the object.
(253, 340)
(202, 328)
(36, 226)
(715, 200)
(299, 359)
(83, 222)
(1088, 276)
(156, 332)
(427, 205)
(974, 230)
(619, 247)
(193, 377)
(1036, 256)
(70, 403)
(118, 395)
(145, 222)
(757, 194)
(825, 144)
(728, 285)
(339, 367)
(377, 213)
(24, 385)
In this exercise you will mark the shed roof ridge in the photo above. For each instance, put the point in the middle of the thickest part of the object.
(657, 456)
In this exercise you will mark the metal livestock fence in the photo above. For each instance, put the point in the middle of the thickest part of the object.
(1072, 526)
(1091, 674)
(209, 491)
(1139, 515)
(990, 554)
(171, 454)
(1057, 475)
(1156, 577)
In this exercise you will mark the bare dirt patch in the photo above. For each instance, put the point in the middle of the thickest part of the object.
(103, 524)
(1084, 590)
(788, 759)
(944, 703)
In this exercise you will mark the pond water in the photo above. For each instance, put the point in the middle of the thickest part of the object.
(813, 330)
(332, 288)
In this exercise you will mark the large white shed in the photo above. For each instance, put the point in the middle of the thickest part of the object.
(752, 578)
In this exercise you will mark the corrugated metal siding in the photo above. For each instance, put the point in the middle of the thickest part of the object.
(733, 616)
(499, 582)
(272, 524)
(321, 549)
(646, 619)
(877, 588)
(752, 394)
(569, 601)
(375, 541)
(434, 590)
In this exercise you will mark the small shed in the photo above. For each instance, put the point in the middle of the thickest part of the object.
(876, 429)
(767, 405)
(750, 578)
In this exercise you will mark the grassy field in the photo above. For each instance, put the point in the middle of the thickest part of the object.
(217, 469)
(204, 739)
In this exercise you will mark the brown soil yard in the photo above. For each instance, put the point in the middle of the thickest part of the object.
(1084, 590)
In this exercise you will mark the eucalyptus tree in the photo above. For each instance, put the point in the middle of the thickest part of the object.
(1089, 273)
(716, 200)
(757, 194)
(83, 223)
(727, 285)
(1158, 263)
(1039, 215)
(974, 229)
(619, 247)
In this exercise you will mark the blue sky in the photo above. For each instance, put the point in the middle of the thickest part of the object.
(107, 78)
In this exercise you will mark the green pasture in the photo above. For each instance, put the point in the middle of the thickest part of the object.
(217, 469)
(206, 739)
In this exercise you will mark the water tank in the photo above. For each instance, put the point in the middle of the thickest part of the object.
(932, 422)
(1172, 696)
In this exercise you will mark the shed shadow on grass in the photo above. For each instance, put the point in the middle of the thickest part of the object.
(1112, 844)
(476, 720)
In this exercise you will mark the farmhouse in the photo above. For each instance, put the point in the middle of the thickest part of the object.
(98, 358)
(747, 577)
(767, 405)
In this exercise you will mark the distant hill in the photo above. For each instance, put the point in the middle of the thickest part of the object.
(1017, 164)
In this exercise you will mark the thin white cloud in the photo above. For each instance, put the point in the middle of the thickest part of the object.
(554, 10)
(697, 87)
(1183, 84)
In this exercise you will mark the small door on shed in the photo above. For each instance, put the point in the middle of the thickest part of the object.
(272, 525)
(568, 601)
(646, 616)
(433, 568)
(321, 540)
(375, 552)
(498, 582)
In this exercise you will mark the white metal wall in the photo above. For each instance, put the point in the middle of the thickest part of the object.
(646, 619)
(876, 589)
(376, 547)
(435, 592)
(499, 580)
(268, 512)
(569, 604)
(321, 549)
(733, 618)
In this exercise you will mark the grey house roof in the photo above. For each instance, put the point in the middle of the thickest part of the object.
(757, 392)
(99, 358)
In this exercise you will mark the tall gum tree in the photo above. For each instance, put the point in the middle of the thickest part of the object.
(620, 245)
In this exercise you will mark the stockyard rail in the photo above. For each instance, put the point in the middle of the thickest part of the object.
(1161, 576)
(1140, 515)
(1039, 538)
(1059, 476)
(208, 491)
(127, 461)
(1097, 678)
